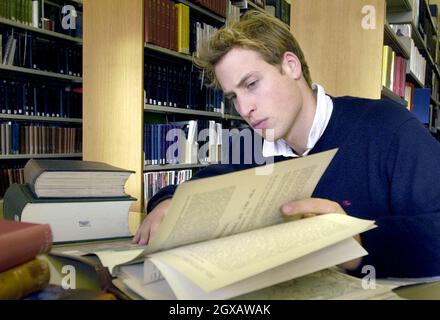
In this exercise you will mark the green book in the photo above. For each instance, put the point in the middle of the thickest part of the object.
(2, 8)
(1, 47)
(13, 9)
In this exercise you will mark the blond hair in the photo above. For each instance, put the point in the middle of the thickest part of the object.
(257, 31)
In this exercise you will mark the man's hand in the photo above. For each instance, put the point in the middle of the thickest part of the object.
(149, 226)
(311, 207)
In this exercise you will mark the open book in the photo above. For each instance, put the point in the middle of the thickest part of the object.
(225, 236)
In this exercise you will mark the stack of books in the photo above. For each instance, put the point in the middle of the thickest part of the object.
(80, 200)
(21, 273)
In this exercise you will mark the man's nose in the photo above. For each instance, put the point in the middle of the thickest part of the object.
(245, 107)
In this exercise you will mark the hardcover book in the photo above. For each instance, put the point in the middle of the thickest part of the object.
(21, 242)
(75, 178)
(22, 280)
(71, 219)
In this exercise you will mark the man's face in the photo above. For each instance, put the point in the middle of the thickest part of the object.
(266, 98)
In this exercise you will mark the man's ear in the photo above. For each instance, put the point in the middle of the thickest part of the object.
(291, 65)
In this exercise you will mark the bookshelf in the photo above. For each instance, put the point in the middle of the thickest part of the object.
(40, 84)
(115, 53)
(37, 118)
(40, 31)
(39, 156)
(167, 52)
(202, 10)
(349, 58)
(27, 71)
(113, 114)
(174, 167)
(357, 68)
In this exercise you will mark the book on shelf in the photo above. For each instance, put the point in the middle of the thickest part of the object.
(71, 219)
(75, 178)
(420, 104)
(36, 98)
(154, 181)
(240, 244)
(28, 240)
(30, 51)
(24, 279)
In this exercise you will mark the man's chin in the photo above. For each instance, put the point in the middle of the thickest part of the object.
(267, 134)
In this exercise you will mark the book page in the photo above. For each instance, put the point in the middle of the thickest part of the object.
(335, 254)
(132, 277)
(323, 285)
(229, 204)
(237, 202)
(220, 262)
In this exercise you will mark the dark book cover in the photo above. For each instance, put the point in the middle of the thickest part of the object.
(17, 196)
(35, 167)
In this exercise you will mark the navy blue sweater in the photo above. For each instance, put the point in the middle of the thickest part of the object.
(387, 169)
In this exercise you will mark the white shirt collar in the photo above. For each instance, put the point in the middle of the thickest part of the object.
(323, 113)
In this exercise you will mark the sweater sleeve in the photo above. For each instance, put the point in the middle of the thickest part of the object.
(407, 242)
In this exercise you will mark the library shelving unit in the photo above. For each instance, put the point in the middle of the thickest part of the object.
(115, 112)
(27, 89)
(345, 56)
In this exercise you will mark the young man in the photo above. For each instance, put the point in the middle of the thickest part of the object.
(386, 166)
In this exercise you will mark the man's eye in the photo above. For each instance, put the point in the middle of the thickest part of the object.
(252, 84)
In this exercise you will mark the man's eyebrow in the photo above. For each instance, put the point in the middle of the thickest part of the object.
(240, 84)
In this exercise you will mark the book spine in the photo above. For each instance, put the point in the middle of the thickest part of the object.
(14, 202)
(31, 172)
(23, 280)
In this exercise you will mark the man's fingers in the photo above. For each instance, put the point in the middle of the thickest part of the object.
(143, 233)
(153, 229)
(136, 237)
(155, 223)
(311, 206)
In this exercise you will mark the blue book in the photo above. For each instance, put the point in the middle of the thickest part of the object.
(421, 100)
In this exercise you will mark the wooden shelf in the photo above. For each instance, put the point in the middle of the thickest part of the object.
(430, 18)
(39, 156)
(168, 52)
(38, 118)
(415, 79)
(232, 117)
(203, 11)
(349, 61)
(391, 39)
(398, 5)
(387, 93)
(170, 167)
(40, 73)
(421, 45)
(113, 99)
(219, 115)
(252, 5)
(40, 31)
(160, 109)
(78, 2)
